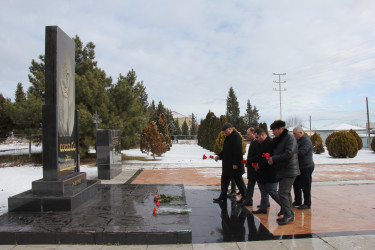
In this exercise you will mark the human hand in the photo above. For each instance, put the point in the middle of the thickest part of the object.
(235, 167)
(270, 161)
(256, 167)
(216, 158)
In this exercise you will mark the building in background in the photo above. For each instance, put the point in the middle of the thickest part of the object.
(180, 118)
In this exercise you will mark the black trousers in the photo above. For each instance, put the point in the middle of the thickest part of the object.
(303, 184)
(225, 180)
(250, 187)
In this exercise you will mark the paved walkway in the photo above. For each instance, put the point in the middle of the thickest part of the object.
(342, 214)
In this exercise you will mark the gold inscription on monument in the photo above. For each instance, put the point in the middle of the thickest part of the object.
(68, 147)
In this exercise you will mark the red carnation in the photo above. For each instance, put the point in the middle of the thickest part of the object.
(253, 164)
(243, 161)
(204, 157)
(155, 211)
(211, 156)
(267, 155)
(158, 203)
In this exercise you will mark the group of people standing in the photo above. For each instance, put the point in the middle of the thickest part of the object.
(276, 164)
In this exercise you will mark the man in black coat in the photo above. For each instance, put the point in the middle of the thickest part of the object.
(231, 157)
(306, 167)
(265, 173)
(251, 152)
(285, 160)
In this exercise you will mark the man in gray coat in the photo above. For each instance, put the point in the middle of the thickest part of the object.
(306, 167)
(285, 160)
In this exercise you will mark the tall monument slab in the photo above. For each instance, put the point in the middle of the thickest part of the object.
(63, 186)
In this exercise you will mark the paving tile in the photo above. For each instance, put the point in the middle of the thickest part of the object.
(269, 245)
(216, 246)
(307, 244)
(351, 242)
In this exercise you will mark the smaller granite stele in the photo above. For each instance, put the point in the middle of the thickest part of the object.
(108, 152)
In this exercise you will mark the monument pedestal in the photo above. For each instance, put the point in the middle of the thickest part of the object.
(65, 194)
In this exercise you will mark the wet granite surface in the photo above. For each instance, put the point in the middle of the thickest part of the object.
(222, 222)
(122, 214)
(119, 214)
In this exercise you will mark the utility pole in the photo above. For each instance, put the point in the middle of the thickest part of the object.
(368, 125)
(279, 89)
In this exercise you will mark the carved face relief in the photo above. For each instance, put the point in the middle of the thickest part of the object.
(66, 98)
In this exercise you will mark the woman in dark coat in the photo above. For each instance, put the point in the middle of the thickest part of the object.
(231, 157)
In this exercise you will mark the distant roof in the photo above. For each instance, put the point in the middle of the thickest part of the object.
(178, 115)
(304, 129)
(342, 126)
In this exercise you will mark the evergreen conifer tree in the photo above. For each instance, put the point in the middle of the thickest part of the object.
(185, 128)
(252, 116)
(20, 96)
(233, 109)
(6, 123)
(163, 129)
(151, 141)
(193, 129)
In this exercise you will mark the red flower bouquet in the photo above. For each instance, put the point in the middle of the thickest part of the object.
(267, 155)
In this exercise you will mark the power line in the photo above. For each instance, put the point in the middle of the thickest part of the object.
(279, 82)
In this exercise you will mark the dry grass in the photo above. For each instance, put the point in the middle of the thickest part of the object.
(136, 158)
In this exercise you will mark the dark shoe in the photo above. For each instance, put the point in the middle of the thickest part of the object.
(247, 203)
(232, 194)
(285, 220)
(241, 201)
(280, 213)
(296, 204)
(258, 206)
(259, 212)
(304, 207)
(219, 199)
(279, 219)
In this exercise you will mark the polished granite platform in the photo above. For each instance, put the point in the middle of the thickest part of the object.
(122, 214)
(119, 214)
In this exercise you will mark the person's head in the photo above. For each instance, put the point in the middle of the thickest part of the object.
(277, 127)
(260, 135)
(250, 133)
(298, 132)
(227, 128)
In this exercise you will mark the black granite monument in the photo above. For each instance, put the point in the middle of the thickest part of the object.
(63, 186)
(108, 153)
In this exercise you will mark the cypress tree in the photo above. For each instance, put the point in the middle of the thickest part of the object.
(185, 128)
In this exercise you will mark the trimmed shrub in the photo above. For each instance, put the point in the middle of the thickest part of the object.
(359, 139)
(317, 143)
(373, 144)
(328, 139)
(342, 144)
(318, 149)
(218, 147)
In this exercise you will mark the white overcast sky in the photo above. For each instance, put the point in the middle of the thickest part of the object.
(188, 53)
